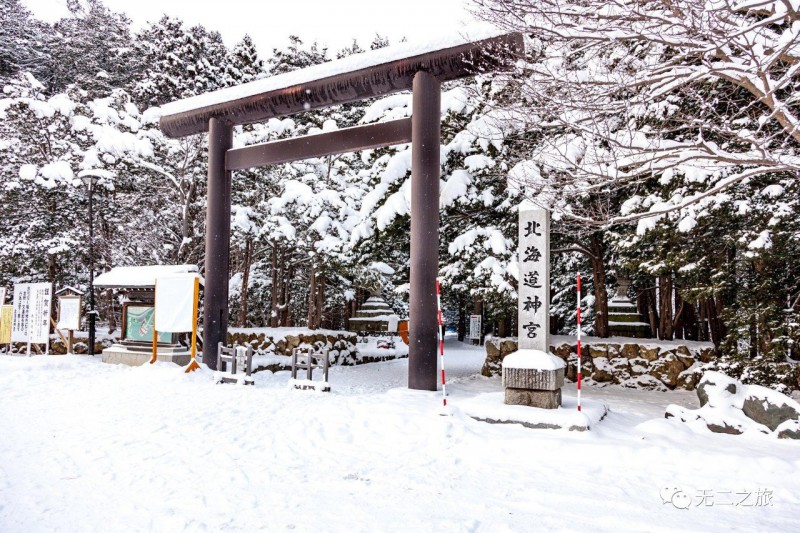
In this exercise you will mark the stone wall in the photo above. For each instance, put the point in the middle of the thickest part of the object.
(635, 365)
(341, 344)
(57, 347)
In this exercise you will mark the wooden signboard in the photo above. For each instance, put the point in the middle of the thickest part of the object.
(31, 315)
(69, 312)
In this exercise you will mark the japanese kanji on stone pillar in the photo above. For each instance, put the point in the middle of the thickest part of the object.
(534, 279)
(532, 376)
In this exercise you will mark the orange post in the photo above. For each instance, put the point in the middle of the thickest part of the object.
(154, 358)
(193, 363)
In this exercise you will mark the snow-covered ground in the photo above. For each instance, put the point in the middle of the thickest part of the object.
(91, 447)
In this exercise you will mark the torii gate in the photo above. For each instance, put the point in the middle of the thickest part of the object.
(358, 77)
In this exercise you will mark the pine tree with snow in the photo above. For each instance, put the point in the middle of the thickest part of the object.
(177, 62)
(295, 56)
(243, 63)
(24, 42)
(49, 140)
(91, 49)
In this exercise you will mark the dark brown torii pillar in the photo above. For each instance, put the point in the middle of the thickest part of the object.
(267, 98)
(425, 170)
(218, 240)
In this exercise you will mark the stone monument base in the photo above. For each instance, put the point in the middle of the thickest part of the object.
(533, 378)
(543, 399)
(119, 354)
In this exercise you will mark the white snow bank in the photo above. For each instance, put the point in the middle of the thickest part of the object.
(93, 447)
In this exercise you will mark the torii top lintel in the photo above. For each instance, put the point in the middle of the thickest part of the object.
(357, 77)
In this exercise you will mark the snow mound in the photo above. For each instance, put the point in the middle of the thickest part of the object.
(533, 359)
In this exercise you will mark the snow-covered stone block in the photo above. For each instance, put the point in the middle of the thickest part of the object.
(533, 370)
(533, 378)
(528, 378)
(543, 399)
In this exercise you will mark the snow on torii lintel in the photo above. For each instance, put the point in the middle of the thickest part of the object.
(355, 77)
(141, 277)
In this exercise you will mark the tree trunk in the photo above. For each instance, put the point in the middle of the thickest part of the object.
(702, 326)
(714, 324)
(462, 318)
(273, 315)
(248, 252)
(600, 292)
(652, 312)
(282, 302)
(665, 330)
(287, 294)
(689, 322)
(320, 304)
(677, 322)
(110, 314)
(718, 312)
(312, 297)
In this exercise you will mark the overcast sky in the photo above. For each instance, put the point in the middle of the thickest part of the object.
(270, 22)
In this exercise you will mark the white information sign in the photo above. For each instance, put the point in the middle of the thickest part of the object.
(21, 313)
(2, 295)
(69, 312)
(475, 327)
(175, 303)
(31, 315)
(534, 279)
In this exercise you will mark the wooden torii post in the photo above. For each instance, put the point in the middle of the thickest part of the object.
(358, 77)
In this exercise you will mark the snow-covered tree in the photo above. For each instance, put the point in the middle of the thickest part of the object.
(91, 49)
(177, 62)
(243, 63)
(295, 56)
(704, 92)
(24, 42)
(47, 142)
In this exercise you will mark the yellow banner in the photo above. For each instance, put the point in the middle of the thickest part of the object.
(6, 313)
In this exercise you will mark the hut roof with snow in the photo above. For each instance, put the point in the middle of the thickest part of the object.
(142, 277)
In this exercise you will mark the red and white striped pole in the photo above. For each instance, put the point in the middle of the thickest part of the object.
(441, 339)
(579, 341)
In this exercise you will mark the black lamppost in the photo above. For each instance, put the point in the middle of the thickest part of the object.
(90, 179)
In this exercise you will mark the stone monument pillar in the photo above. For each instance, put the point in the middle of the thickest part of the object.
(532, 375)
